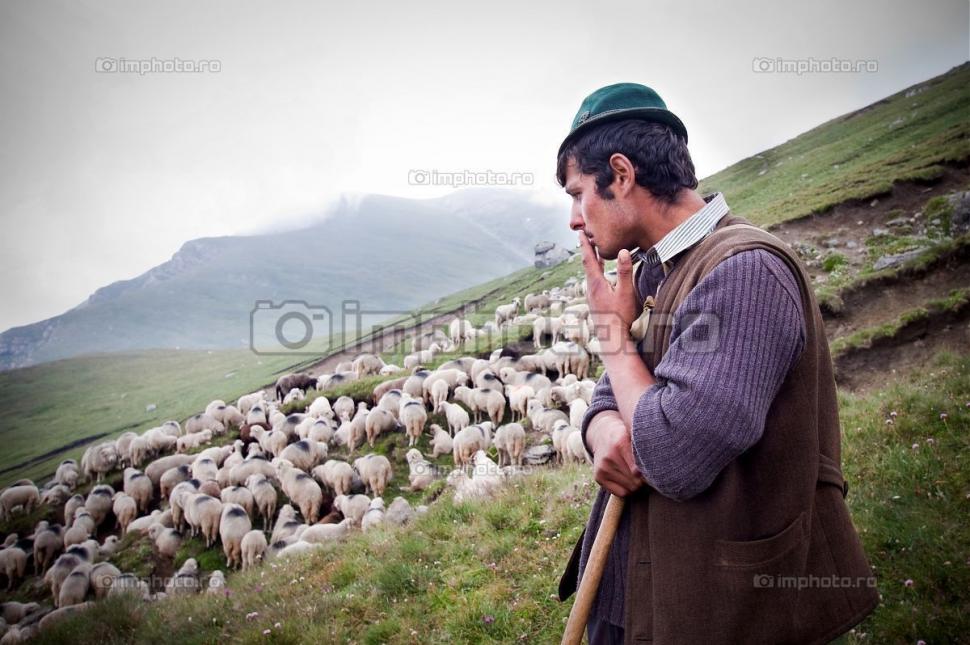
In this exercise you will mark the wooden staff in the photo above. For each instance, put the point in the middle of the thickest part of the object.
(588, 586)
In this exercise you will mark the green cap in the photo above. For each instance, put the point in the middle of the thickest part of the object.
(622, 101)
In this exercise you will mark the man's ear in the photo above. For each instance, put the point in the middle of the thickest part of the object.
(624, 174)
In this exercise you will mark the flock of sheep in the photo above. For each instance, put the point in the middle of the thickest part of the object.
(174, 484)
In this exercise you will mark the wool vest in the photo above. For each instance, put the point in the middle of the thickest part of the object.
(768, 553)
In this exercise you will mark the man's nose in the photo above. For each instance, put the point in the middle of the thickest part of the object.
(576, 221)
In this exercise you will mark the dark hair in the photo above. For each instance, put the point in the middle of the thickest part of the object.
(659, 155)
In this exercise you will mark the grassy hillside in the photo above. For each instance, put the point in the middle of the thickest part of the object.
(478, 572)
(908, 135)
(47, 407)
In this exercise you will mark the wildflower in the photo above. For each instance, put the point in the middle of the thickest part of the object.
(930, 441)
(893, 414)
(488, 619)
(944, 416)
(889, 422)
(915, 446)
(277, 625)
(267, 632)
(909, 582)
(252, 615)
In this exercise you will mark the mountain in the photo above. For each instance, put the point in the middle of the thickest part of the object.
(388, 253)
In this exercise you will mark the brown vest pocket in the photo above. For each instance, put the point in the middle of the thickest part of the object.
(759, 553)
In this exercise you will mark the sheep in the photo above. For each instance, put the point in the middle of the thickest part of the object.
(519, 396)
(546, 326)
(189, 442)
(264, 497)
(253, 466)
(320, 533)
(26, 497)
(167, 541)
(421, 472)
(441, 442)
(536, 301)
(506, 312)
(233, 525)
(139, 450)
(109, 546)
(98, 503)
(338, 475)
(367, 364)
(374, 516)
(99, 459)
(389, 369)
(172, 478)
(204, 421)
(353, 507)
(320, 431)
(143, 523)
(203, 512)
(320, 408)
(215, 409)
(510, 443)
(456, 415)
(186, 580)
(337, 379)
(421, 357)
(217, 582)
(125, 509)
(238, 495)
(13, 612)
(128, 583)
(486, 480)
(426, 340)
(301, 489)
(375, 471)
(102, 577)
(575, 451)
(378, 422)
(139, 488)
(543, 419)
(48, 544)
(253, 546)
(467, 442)
(75, 586)
(439, 393)
(13, 564)
(577, 410)
(304, 454)
(56, 495)
(399, 512)
(247, 401)
(204, 469)
(460, 330)
(294, 395)
(492, 402)
(59, 571)
(157, 468)
(67, 471)
(286, 525)
(390, 401)
(287, 382)
(343, 407)
(413, 416)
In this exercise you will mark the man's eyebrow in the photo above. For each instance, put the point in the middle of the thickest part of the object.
(571, 188)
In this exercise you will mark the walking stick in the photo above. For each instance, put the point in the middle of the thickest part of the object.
(588, 586)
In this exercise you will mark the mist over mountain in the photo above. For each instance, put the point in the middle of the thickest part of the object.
(388, 253)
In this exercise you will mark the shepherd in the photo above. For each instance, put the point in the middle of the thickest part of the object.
(715, 426)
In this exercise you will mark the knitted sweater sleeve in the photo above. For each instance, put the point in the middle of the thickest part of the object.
(734, 339)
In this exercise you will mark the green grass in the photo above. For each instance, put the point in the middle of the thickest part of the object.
(488, 571)
(957, 301)
(854, 156)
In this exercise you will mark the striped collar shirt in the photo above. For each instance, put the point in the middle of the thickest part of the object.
(686, 234)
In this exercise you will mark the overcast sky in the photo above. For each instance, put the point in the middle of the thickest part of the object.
(105, 174)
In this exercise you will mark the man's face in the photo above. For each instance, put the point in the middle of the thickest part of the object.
(602, 220)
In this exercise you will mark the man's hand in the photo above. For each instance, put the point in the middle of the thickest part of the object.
(613, 309)
(614, 466)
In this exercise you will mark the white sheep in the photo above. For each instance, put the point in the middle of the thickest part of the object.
(575, 451)
(125, 509)
(25, 497)
(374, 516)
(186, 580)
(320, 533)
(456, 416)
(305, 454)
(353, 507)
(467, 442)
(301, 489)
(441, 441)
(264, 496)
(253, 546)
(506, 312)
(234, 524)
(413, 416)
(421, 472)
(75, 587)
(13, 564)
(375, 471)
(378, 422)
(399, 512)
(102, 577)
(337, 475)
(217, 582)
(203, 512)
(510, 443)
(367, 364)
